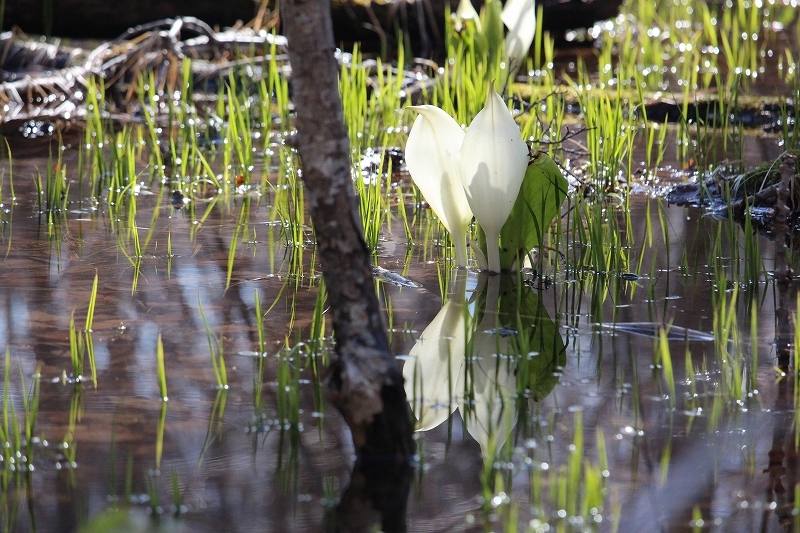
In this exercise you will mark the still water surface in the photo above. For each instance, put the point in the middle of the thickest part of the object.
(600, 441)
(705, 448)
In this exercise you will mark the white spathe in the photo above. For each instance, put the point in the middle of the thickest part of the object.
(519, 16)
(434, 372)
(492, 163)
(460, 174)
(431, 149)
(492, 378)
(467, 12)
(437, 375)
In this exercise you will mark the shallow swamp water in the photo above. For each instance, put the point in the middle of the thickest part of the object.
(654, 400)
(240, 466)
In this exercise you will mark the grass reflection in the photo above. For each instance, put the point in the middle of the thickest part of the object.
(571, 415)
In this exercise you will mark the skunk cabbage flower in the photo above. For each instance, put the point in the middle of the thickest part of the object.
(492, 413)
(519, 16)
(434, 373)
(460, 174)
(466, 12)
(437, 373)
(433, 143)
(491, 376)
(492, 162)
(458, 363)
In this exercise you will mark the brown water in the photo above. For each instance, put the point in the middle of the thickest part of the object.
(237, 471)
(239, 467)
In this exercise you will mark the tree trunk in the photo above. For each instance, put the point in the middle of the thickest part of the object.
(364, 382)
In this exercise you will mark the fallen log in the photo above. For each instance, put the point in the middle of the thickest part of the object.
(353, 20)
(754, 193)
(45, 81)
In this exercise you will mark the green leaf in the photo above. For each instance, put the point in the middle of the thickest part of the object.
(493, 28)
(543, 191)
(481, 44)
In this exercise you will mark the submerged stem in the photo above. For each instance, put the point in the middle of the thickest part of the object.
(460, 243)
(493, 250)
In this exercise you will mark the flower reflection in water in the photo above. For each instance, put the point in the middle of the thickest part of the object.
(490, 349)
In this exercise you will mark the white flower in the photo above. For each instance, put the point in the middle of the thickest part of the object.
(460, 174)
(491, 376)
(492, 161)
(492, 414)
(437, 373)
(466, 12)
(519, 16)
(434, 373)
(433, 143)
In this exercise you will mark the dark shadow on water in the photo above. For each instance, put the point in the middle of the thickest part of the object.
(377, 494)
(783, 464)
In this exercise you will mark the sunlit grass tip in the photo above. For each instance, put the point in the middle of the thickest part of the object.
(162, 373)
